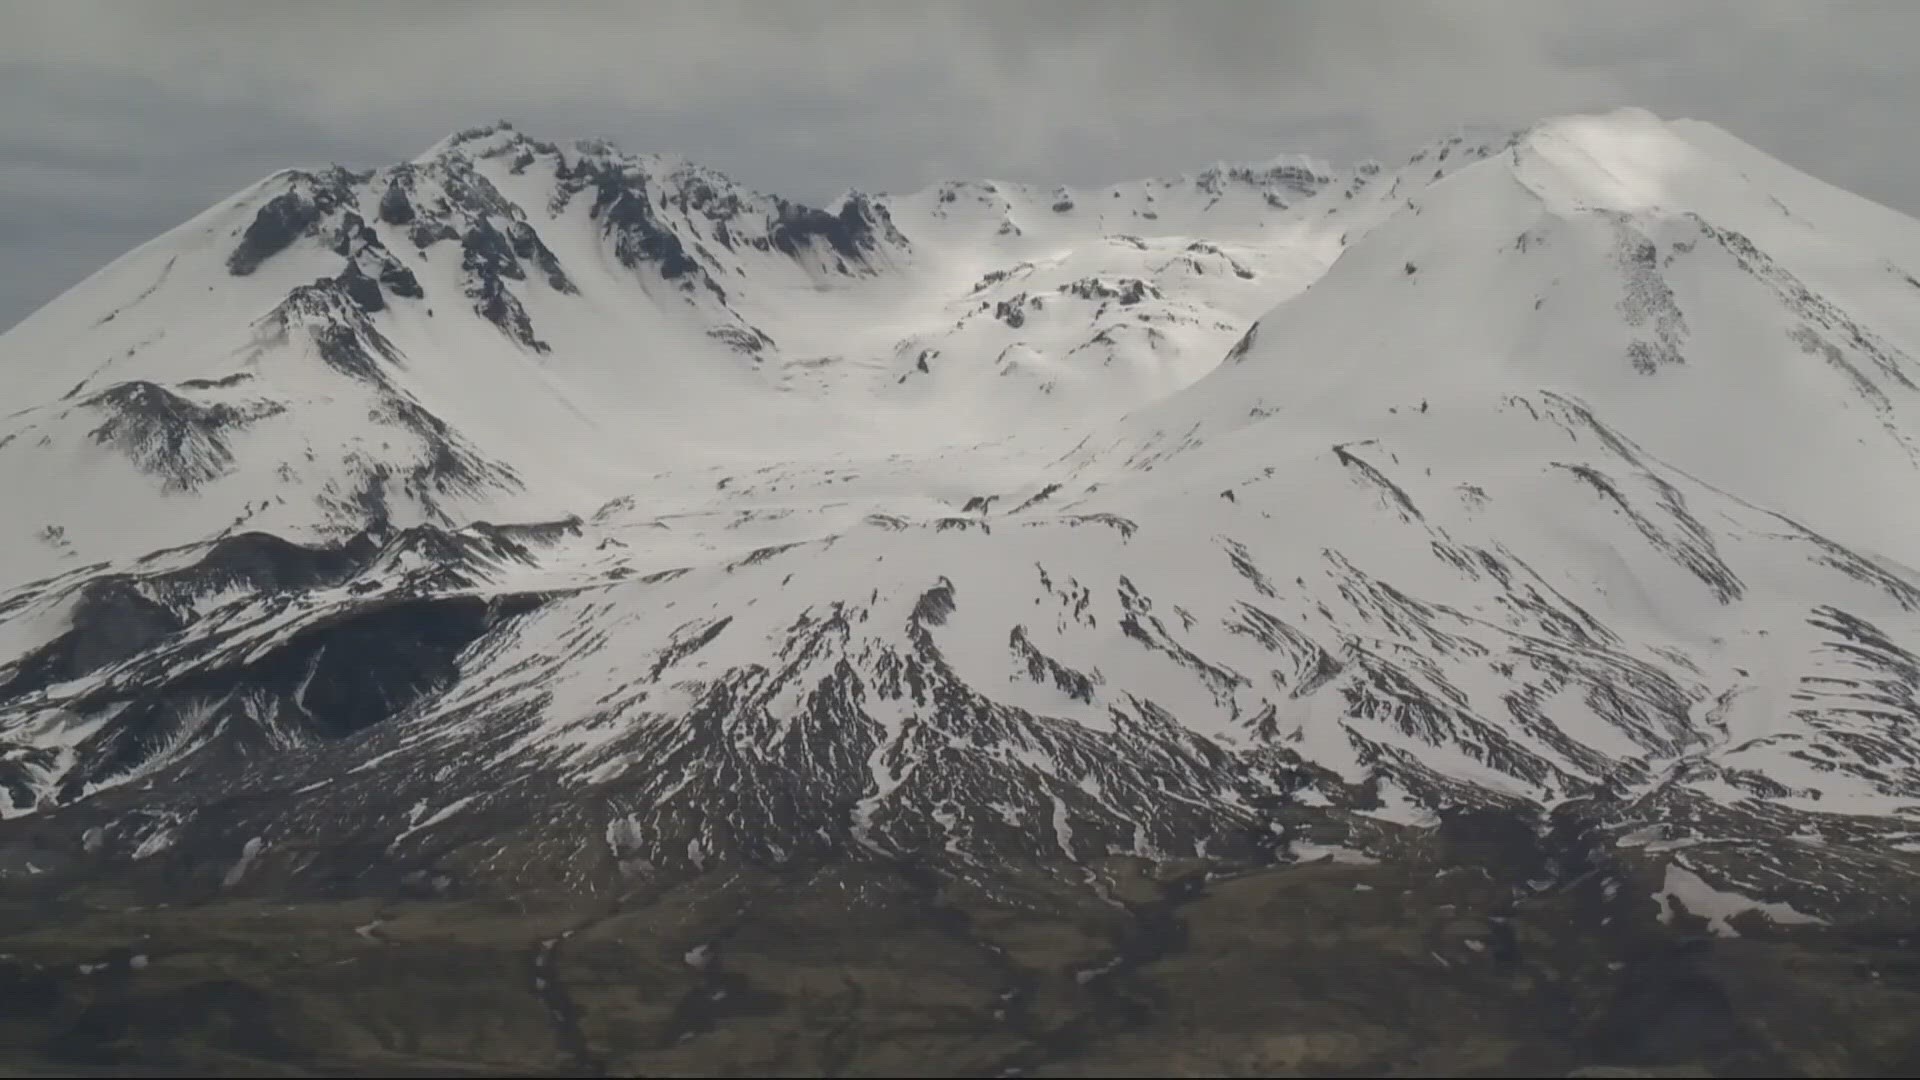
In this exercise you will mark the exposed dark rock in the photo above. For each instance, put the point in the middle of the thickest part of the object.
(400, 281)
(1244, 345)
(997, 276)
(120, 616)
(111, 622)
(500, 307)
(341, 331)
(179, 440)
(859, 228)
(1045, 670)
(335, 677)
(485, 253)
(449, 464)
(469, 192)
(395, 207)
(748, 340)
(1687, 542)
(1294, 179)
(478, 131)
(263, 562)
(528, 245)
(223, 381)
(353, 232)
(297, 212)
(1647, 300)
(488, 256)
(626, 216)
(362, 289)
(1012, 311)
(283, 219)
(1039, 497)
(425, 232)
(1128, 291)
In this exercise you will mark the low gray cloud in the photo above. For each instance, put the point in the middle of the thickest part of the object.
(122, 120)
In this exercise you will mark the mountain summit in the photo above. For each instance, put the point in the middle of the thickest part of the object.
(528, 513)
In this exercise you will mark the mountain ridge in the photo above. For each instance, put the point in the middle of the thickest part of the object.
(524, 513)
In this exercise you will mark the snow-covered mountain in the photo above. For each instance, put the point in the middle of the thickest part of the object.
(526, 512)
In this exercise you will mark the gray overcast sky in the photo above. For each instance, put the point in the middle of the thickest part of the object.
(121, 120)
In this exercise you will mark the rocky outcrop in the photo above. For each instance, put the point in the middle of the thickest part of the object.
(860, 229)
(298, 211)
(183, 442)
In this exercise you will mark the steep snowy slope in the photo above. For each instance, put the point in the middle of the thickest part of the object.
(1566, 467)
(503, 327)
(1610, 259)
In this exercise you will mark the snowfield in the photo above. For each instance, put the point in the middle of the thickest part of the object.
(523, 507)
